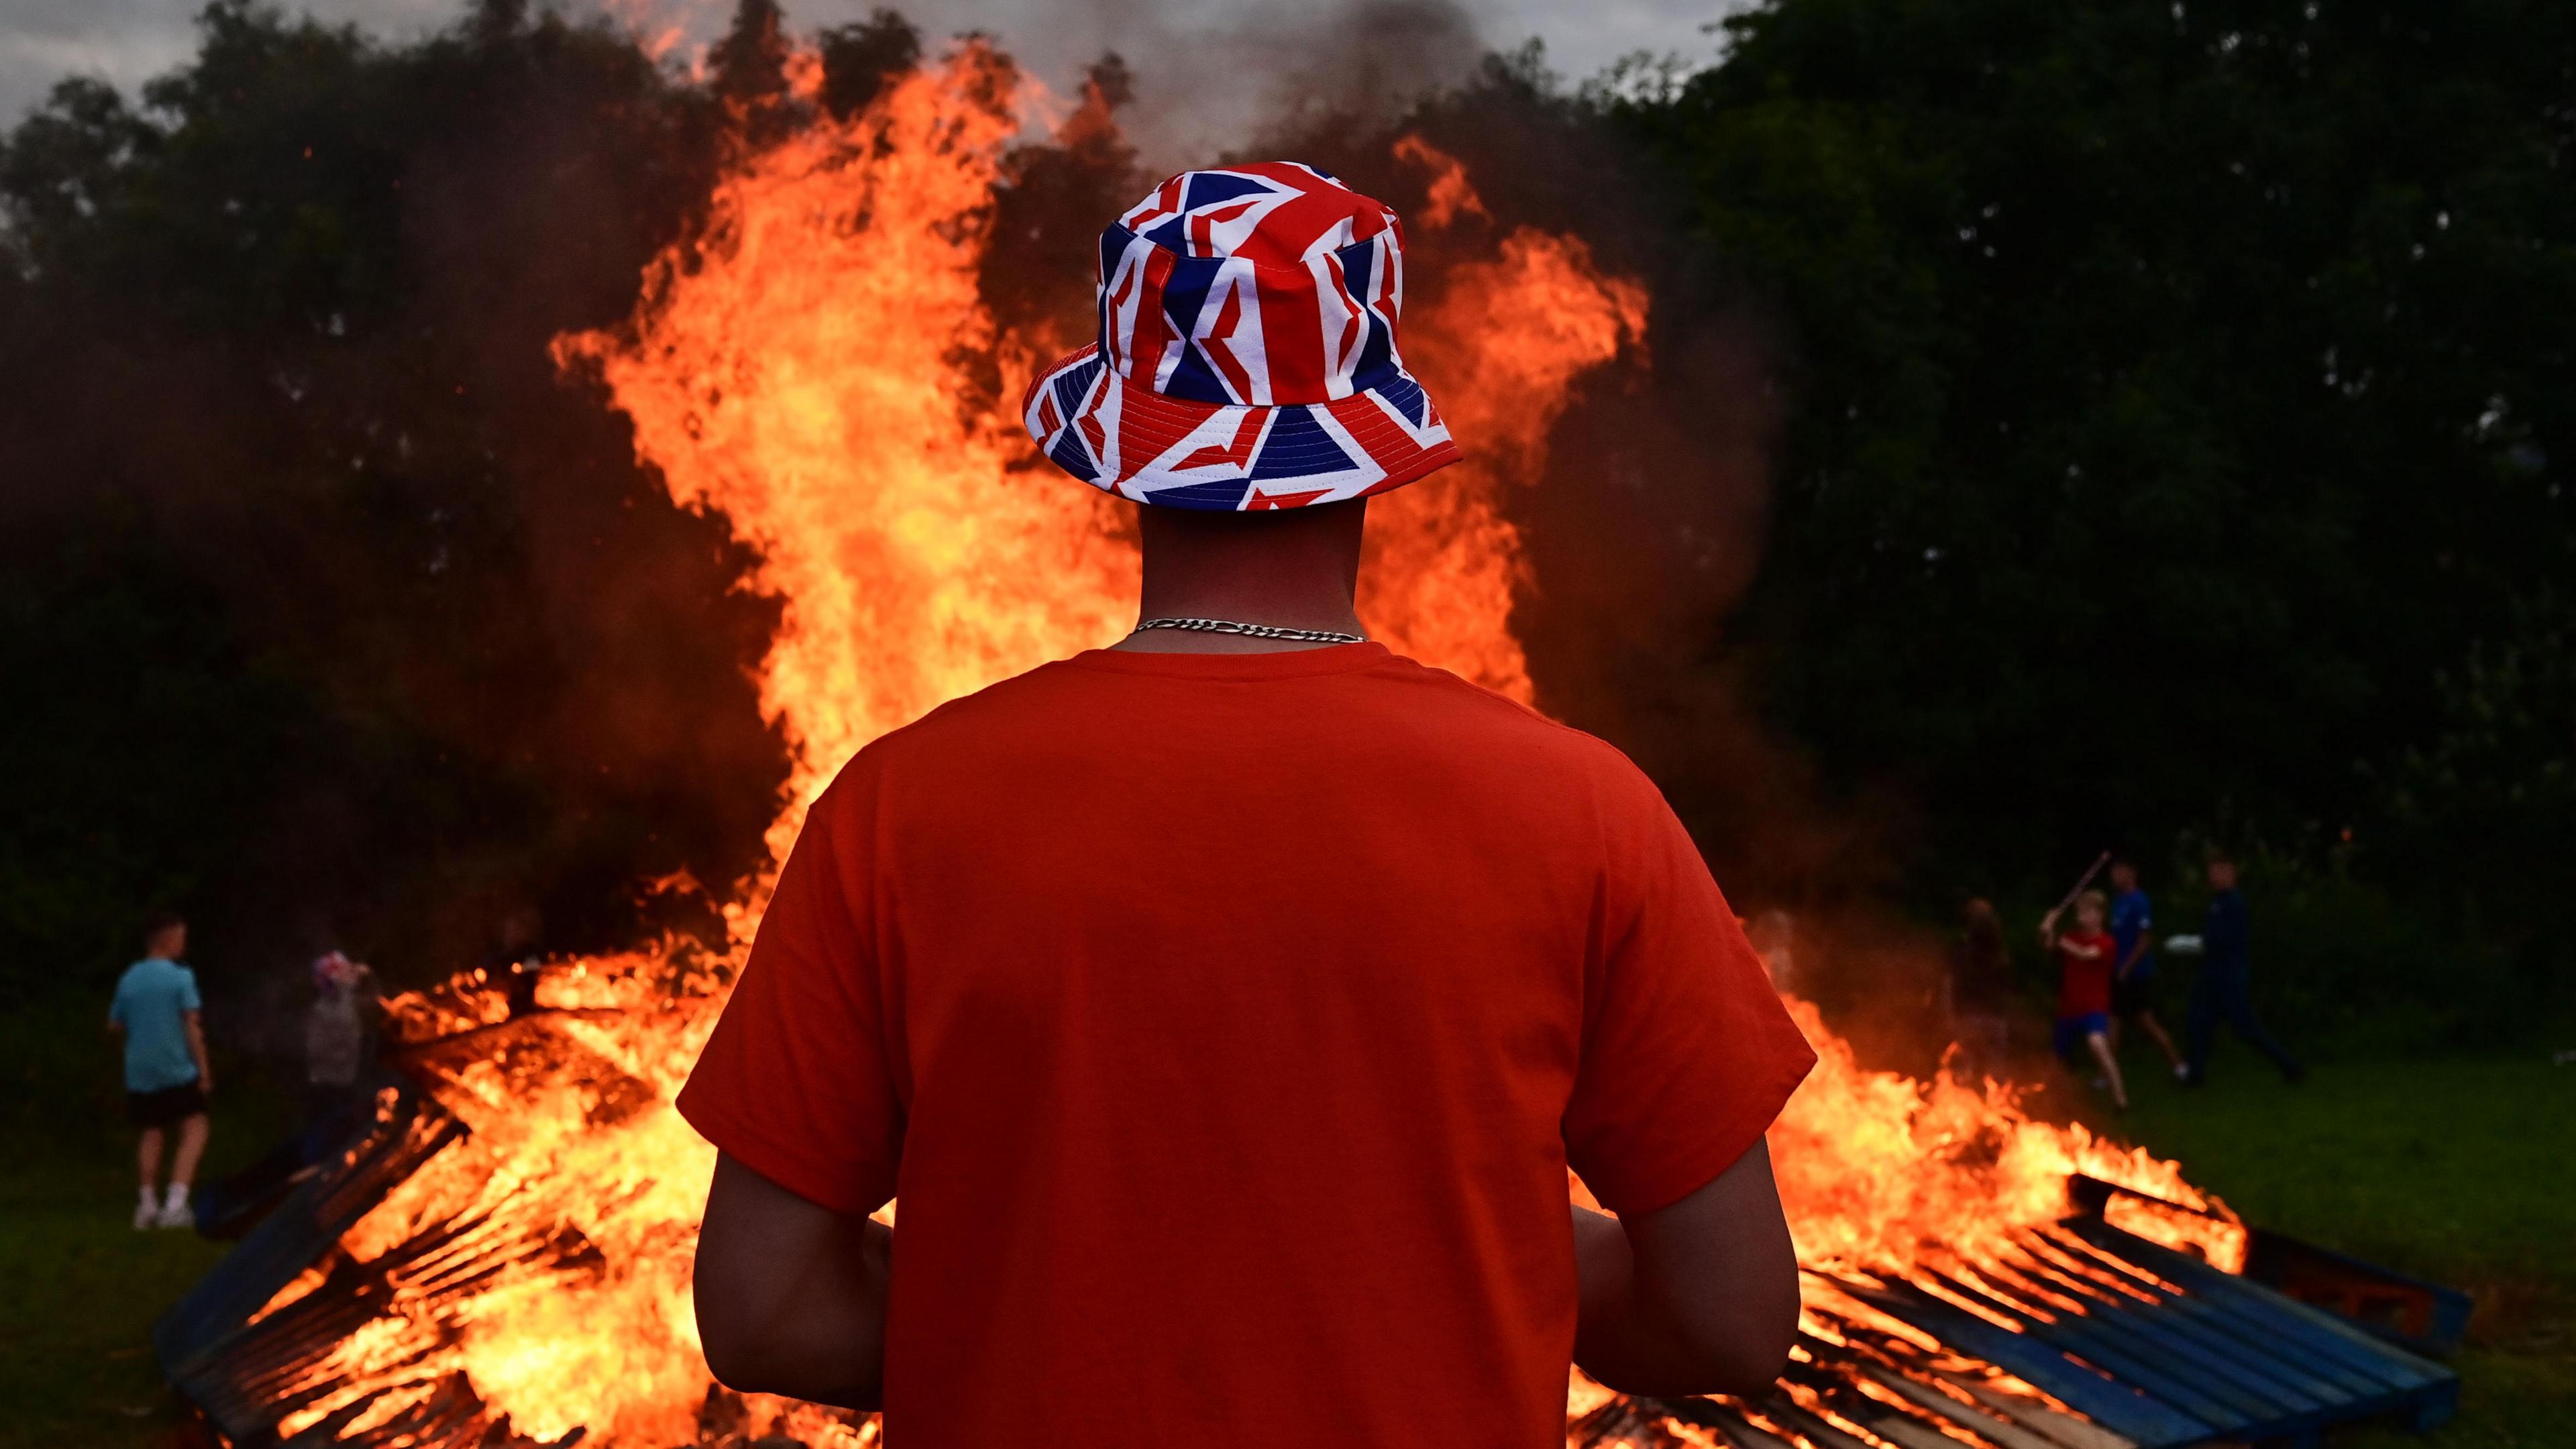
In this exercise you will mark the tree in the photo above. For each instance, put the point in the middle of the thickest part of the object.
(353, 622)
(2180, 394)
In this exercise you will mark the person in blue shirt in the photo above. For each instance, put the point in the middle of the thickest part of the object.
(2225, 976)
(166, 1076)
(2133, 970)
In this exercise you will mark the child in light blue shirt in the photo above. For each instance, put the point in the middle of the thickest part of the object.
(166, 1076)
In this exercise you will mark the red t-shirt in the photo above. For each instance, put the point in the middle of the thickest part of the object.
(2084, 962)
(1227, 1024)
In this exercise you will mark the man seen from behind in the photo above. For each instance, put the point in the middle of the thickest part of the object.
(1227, 1006)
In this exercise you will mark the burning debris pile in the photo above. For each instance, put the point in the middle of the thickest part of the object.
(523, 1276)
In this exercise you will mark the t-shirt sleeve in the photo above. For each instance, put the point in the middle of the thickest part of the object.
(188, 1000)
(1687, 1052)
(797, 1082)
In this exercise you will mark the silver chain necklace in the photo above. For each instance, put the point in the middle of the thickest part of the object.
(1252, 631)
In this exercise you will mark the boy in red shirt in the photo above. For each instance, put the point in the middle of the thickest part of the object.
(2085, 957)
(1227, 1010)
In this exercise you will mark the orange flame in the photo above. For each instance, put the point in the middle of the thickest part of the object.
(801, 368)
(1452, 195)
(796, 371)
(1884, 1173)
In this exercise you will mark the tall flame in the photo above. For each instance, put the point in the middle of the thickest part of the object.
(799, 367)
(796, 370)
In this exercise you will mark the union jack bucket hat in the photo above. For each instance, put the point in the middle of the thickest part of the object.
(1246, 357)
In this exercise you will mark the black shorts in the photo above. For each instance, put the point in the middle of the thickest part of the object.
(166, 1107)
(2133, 994)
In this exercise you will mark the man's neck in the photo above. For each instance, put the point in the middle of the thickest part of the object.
(1295, 569)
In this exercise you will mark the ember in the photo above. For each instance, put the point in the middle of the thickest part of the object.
(796, 369)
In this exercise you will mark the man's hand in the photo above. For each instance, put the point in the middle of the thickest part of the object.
(1697, 1298)
(791, 1296)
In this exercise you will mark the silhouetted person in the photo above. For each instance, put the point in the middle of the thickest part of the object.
(2222, 992)
(335, 1047)
(2133, 976)
(517, 962)
(1980, 992)
(167, 1079)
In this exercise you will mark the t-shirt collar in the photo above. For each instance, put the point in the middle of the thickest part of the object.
(1278, 664)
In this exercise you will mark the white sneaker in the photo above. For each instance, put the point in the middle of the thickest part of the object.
(175, 1213)
(2182, 1074)
(147, 1213)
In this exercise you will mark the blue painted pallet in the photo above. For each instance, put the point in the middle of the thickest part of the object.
(236, 1371)
(2162, 1349)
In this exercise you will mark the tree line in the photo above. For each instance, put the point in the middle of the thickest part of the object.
(2161, 413)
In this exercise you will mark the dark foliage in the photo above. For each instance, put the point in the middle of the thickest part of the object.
(2182, 399)
(334, 615)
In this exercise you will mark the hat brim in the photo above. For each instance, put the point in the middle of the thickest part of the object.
(1217, 457)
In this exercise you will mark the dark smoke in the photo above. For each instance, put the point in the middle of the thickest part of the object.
(1648, 524)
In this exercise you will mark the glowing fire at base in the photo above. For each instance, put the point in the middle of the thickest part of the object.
(797, 369)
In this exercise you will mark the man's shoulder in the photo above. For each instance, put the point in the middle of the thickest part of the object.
(1455, 717)
(1395, 701)
(1400, 685)
(150, 981)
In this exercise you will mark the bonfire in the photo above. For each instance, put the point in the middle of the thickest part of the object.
(795, 368)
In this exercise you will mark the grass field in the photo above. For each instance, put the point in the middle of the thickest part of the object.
(2462, 1170)
(79, 1288)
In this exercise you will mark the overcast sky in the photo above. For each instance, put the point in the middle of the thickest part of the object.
(1189, 54)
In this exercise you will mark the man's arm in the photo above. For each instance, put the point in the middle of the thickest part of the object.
(197, 1050)
(791, 1296)
(1697, 1298)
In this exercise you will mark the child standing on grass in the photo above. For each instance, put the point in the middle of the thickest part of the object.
(166, 1077)
(2085, 957)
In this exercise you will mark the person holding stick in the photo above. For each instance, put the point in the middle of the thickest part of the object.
(1229, 1004)
(2084, 957)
